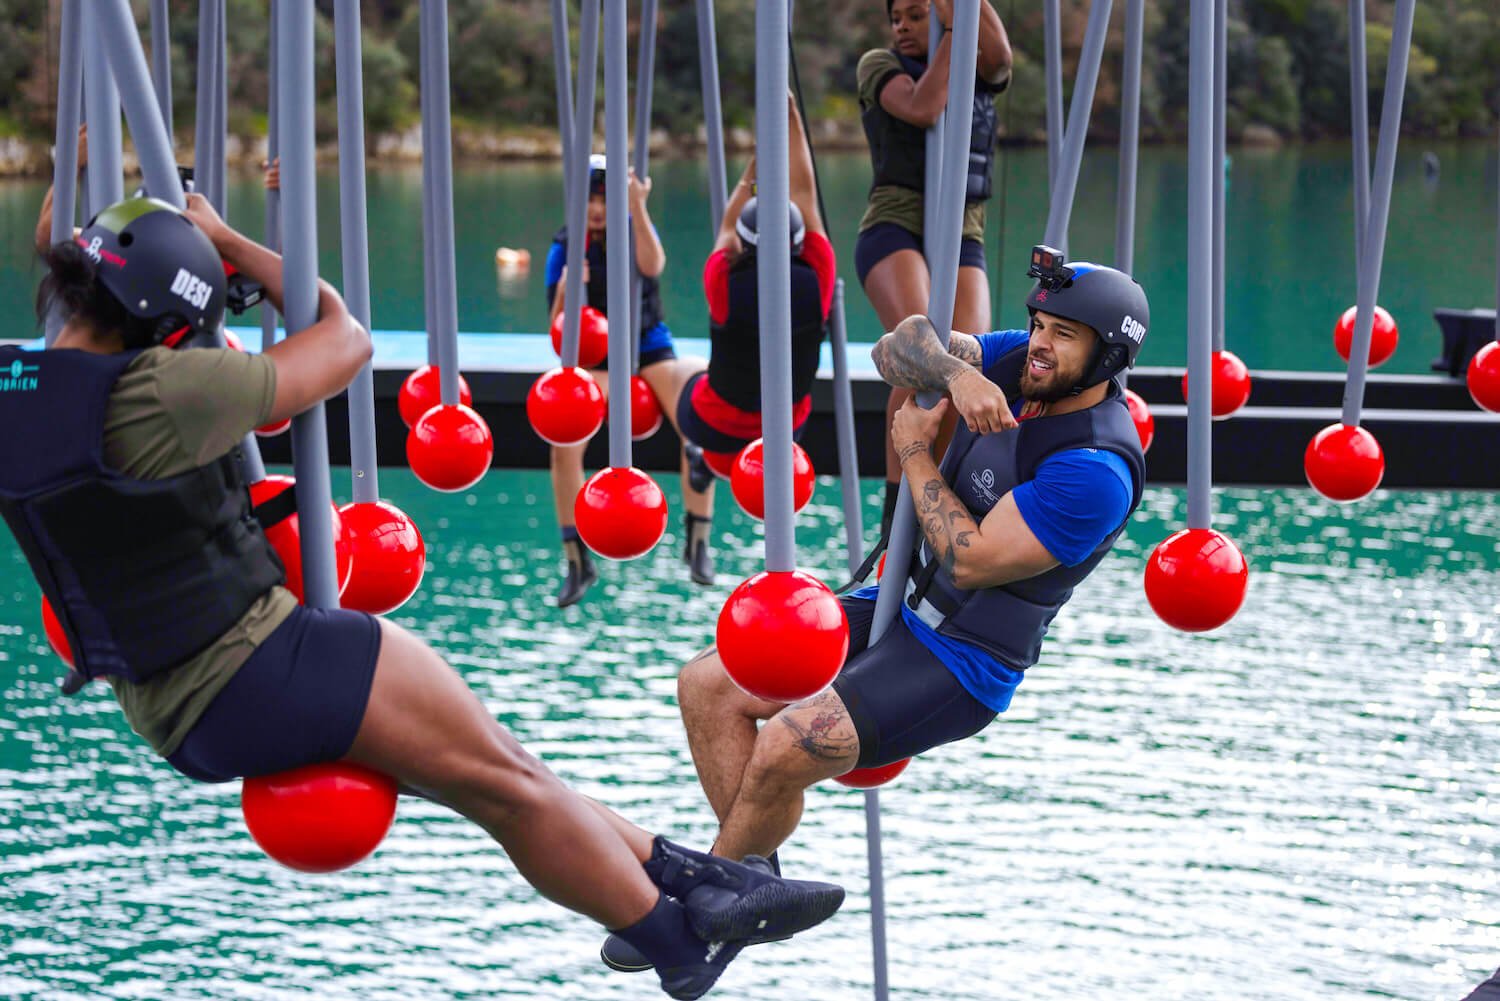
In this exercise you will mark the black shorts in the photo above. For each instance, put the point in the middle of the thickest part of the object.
(885, 238)
(901, 699)
(656, 346)
(298, 700)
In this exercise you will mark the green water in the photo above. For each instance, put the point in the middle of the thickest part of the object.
(1289, 256)
(1302, 805)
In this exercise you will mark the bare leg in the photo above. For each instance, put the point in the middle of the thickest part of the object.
(897, 287)
(666, 379)
(720, 721)
(566, 465)
(971, 311)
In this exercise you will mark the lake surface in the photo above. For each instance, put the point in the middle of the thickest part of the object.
(1289, 243)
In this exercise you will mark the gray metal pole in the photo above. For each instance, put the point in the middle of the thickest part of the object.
(1052, 44)
(273, 198)
(645, 70)
(1221, 100)
(933, 147)
(713, 113)
(944, 268)
(843, 415)
(65, 152)
(221, 111)
(617, 227)
(161, 61)
(1200, 261)
(1071, 155)
(106, 176)
(445, 270)
(1359, 121)
(877, 894)
(578, 197)
(1373, 253)
(1130, 136)
(205, 101)
(294, 36)
(354, 239)
(429, 286)
(563, 75)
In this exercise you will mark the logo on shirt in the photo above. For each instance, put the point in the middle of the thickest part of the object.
(191, 288)
(13, 379)
(984, 483)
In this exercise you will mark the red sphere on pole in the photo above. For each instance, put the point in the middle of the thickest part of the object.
(565, 406)
(450, 448)
(274, 428)
(870, 778)
(1230, 384)
(319, 818)
(782, 635)
(56, 635)
(1343, 462)
(285, 536)
(621, 513)
(1140, 414)
(722, 463)
(389, 557)
(747, 478)
(233, 342)
(422, 391)
(645, 412)
(593, 336)
(1196, 580)
(1383, 335)
(1483, 376)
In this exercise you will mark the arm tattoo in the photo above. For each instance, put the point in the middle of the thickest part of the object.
(911, 356)
(946, 523)
(825, 734)
(932, 495)
(965, 348)
(913, 449)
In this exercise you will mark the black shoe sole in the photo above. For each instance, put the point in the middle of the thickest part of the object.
(774, 910)
(701, 979)
(575, 595)
(639, 966)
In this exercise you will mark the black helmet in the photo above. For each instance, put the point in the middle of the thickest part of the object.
(159, 266)
(597, 164)
(746, 227)
(1110, 301)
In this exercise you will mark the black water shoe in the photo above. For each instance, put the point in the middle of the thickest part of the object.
(700, 477)
(580, 577)
(695, 551)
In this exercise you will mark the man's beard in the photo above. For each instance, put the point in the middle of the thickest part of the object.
(1058, 387)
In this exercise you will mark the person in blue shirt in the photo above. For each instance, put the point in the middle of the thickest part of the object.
(1041, 478)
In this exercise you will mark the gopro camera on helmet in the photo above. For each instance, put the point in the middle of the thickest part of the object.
(1048, 267)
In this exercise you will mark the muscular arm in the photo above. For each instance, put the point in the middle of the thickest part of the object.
(994, 60)
(920, 102)
(727, 238)
(912, 357)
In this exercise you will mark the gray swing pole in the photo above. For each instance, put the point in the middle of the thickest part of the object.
(1221, 98)
(273, 198)
(933, 147)
(1052, 68)
(1359, 121)
(65, 152)
(1372, 255)
(434, 39)
(563, 76)
(429, 267)
(578, 183)
(161, 62)
(1071, 155)
(1130, 138)
(354, 239)
(713, 114)
(294, 37)
(645, 73)
(106, 176)
(617, 227)
(1200, 261)
(206, 102)
(843, 416)
(221, 112)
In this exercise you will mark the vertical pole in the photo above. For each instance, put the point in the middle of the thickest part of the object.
(1372, 254)
(1199, 263)
(161, 61)
(1071, 156)
(645, 73)
(617, 227)
(106, 177)
(933, 147)
(563, 77)
(1052, 43)
(294, 37)
(444, 273)
(221, 110)
(578, 184)
(273, 198)
(843, 416)
(1221, 179)
(1359, 121)
(354, 241)
(877, 894)
(65, 152)
(1130, 136)
(429, 286)
(205, 101)
(713, 115)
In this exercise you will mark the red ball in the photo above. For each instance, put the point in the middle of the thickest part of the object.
(1140, 413)
(275, 428)
(1383, 336)
(422, 391)
(1196, 580)
(232, 340)
(747, 479)
(620, 513)
(880, 567)
(286, 537)
(565, 406)
(1344, 463)
(449, 448)
(389, 557)
(782, 636)
(319, 818)
(722, 463)
(593, 336)
(1484, 376)
(869, 778)
(52, 626)
(1231, 384)
(645, 411)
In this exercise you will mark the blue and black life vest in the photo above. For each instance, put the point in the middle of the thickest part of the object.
(734, 355)
(143, 574)
(898, 150)
(598, 284)
(1010, 620)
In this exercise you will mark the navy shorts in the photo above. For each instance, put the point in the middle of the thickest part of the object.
(885, 238)
(298, 700)
(901, 699)
(656, 346)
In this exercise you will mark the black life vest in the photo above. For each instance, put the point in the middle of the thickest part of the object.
(898, 150)
(143, 574)
(1010, 620)
(598, 284)
(734, 345)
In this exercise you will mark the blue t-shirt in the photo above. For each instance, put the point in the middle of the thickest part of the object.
(1078, 497)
